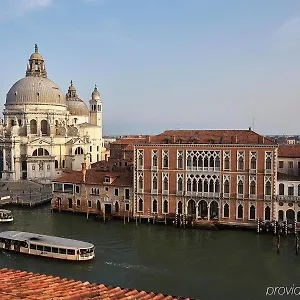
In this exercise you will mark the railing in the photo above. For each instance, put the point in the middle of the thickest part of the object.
(252, 171)
(268, 197)
(154, 191)
(240, 196)
(251, 196)
(287, 198)
(226, 195)
(165, 192)
(212, 169)
(179, 193)
(154, 168)
(268, 171)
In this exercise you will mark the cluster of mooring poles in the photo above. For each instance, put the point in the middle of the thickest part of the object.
(279, 229)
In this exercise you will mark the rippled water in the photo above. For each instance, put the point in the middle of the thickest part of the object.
(194, 263)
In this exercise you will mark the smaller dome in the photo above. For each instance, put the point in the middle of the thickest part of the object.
(36, 56)
(95, 94)
(77, 107)
(72, 87)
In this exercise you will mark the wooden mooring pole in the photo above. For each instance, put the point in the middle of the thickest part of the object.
(278, 242)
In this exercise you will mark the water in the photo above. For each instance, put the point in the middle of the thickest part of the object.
(191, 263)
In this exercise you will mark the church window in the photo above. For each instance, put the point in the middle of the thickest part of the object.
(33, 127)
(56, 164)
(48, 167)
(33, 167)
(12, 122)
(78, 151)
(44, 127)
(40, 152)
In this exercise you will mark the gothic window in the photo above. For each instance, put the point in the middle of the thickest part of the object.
(165, 184)
(140, 205)
(268, 159)
(180, 184)
(189, 185)
(179, 159)
(226, 211)
(240, 187)
(217, 186)
(154, 182)
(240, 212)
(253, 160)
(267, 213)
(40, 152)
(78, 151)
(253, 188)
(56, 164)
(226, 184)
(241, 159)
(252, 212)
(141, 183)
(205, 186)
(194, 187)
(154, 206)
(268, 188)
(140, 158)
(165, 207)
(154, 158)
(226, 156)
(165, 159)
(33, 126)
(211, 186)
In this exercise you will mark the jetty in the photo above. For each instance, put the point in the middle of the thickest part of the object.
(24, 193)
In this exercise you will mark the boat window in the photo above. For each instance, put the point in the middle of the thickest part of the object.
(32, 246)
(54, 250)
(40, 248)
(71, 252)
(47, 249)
(62, 251)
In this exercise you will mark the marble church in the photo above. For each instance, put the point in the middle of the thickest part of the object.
(44, 131)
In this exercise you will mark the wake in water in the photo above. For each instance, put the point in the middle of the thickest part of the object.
(135, 267)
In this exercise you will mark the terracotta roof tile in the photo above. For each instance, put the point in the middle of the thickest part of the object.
(15, 284)
(224, 136)
(290, 151)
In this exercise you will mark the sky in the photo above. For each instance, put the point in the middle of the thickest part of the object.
(164, 64)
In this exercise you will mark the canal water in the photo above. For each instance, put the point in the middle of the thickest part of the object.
(191, 263)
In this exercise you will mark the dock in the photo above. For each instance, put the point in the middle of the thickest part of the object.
(24, 194)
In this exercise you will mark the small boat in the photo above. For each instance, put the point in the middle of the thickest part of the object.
(46, 245)
(5, 216)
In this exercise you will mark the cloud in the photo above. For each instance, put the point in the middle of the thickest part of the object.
(12, 8)
(287, 36)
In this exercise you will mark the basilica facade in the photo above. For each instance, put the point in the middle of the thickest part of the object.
(45, 131)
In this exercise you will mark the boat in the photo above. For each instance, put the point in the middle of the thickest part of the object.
(46, 246)
(5, 216)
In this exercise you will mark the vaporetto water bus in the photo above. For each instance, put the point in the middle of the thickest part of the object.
(5, 216)
(46, 245)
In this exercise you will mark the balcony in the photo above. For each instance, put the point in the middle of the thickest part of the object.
(140, 191)
(252, 171)
(154, 168)
(226, 195)
(179, 193)
(268, 197)
(165, 192)
(240, 196)
(252, 196)
(287, 198)
(268, 171)
(140, 168)
(154, 191)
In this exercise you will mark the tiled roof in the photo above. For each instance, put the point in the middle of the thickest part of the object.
(292, 151)
(288, 177)
(210, 136)
(96, 176)
(15, 285)
(129, 141)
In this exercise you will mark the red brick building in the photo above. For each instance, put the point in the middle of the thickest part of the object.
(222, 175)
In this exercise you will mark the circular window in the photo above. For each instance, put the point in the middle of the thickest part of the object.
(290, 204)
(280, 203)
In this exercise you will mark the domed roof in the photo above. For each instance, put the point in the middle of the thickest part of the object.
(35, 90)
(36, 56)
(95, 94)
(77, 107)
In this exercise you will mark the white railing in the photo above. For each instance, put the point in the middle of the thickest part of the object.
(251, 196)
(268, 197)
(287, 198)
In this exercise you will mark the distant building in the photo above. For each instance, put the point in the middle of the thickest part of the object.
(94, 191)
(45, 131)
(217, 175)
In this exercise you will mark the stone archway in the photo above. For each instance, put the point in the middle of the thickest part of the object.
(202, 209)
(213, 210)
(280, 215)
(191, 208)
(290, 215)
(179, 207)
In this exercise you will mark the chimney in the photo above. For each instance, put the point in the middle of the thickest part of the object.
(83, 168)
(263, 139)
(250, 128)
(148, 139)
(236, 139)
(173, 139)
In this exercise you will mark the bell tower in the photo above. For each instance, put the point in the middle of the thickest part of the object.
(96, 108)
(36, 65)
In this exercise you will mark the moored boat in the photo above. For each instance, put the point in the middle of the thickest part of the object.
(5, 216)
(46, 245)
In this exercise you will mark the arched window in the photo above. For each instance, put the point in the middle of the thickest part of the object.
(165, 207)
(194, 185)
(165, 184)
(154, 183)
(179, 208)
(240, 214)
(226, 187)
(267, 213)
(154, 206)
(117, 207)
(241, 187)
(205, 186)
(189, 185)
(217, 186)
(252, 212)
(211, 186)
(253, 163)
(179, 185)
(253, 188)
(56, 164)
(40, 152)
(141, 205)
(268, 188)
(141, 183)
(226, 211)
(78, 151)
(44, 127)
(33, 126)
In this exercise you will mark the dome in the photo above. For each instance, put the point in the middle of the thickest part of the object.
(77, 107)
(36, 56)
(35, 90)
(95, 94)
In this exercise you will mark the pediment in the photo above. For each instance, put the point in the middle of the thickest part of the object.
(76, 142)
(40, 142)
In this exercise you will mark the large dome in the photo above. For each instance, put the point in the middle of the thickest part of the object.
(35, 90)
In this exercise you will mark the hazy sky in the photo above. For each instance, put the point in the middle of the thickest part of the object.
(165, 64)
